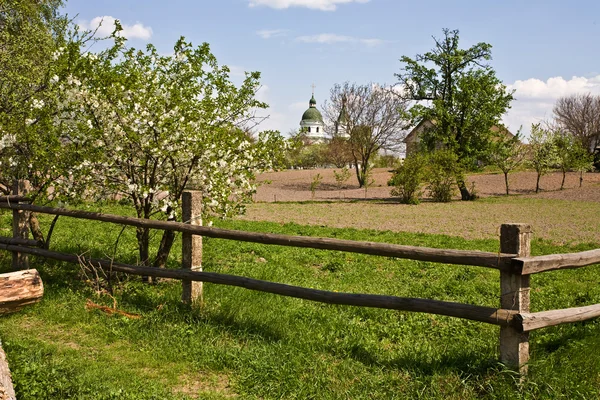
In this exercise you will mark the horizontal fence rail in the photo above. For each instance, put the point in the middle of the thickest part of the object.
(459, 257)
(514, 263)
(534, 265)
(476, 313)
(543, 319)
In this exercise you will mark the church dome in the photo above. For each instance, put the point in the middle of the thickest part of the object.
(312, 114)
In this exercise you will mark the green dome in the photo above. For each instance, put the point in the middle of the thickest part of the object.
(312, 114)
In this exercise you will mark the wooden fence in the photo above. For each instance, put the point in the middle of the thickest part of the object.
(514, 263)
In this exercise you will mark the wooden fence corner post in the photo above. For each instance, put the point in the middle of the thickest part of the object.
(191, 246)
(20, 227)
(514, 295)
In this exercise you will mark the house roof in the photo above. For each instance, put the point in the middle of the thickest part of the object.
(417, 129)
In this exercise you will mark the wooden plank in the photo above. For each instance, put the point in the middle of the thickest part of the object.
(20, 241)
(543, 319)
(14, 199)
(460, 257)
(19, 288)
(514, 343)
(476, 313)
(7, 391)
(533, 265)
(191, 246)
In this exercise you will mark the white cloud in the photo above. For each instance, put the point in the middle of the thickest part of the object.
(323, 5)
(106, 26)
(535, 99)
(332, 38)
(269, 33)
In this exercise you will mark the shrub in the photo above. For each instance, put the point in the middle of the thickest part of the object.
(442, 171)
(408, 178)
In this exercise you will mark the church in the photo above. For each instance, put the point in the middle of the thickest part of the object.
(312, 123)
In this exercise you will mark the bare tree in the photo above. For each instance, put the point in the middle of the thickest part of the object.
(371, 117)
(579, 114)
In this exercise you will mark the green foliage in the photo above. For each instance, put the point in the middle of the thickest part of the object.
(302, 153)
(314, 184)
(408, 178)
(507, 153)
(386, 161)
(465, 98)
(543, 152)
(443, 168)
(571, 154)
(341, 177)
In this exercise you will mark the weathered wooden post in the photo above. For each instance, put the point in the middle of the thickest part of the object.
(191, 258)
(514, 289)
(20, 227)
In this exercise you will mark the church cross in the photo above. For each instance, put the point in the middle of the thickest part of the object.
(313, 88)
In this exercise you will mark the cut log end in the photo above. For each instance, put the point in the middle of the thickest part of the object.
(19, 289)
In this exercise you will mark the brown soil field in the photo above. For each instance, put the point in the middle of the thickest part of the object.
(567, 216)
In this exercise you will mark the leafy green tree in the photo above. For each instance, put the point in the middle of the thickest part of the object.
(457, 90)
(36, 51)
(153, 125)
(507, 153)
(571, 155)
(542, 150)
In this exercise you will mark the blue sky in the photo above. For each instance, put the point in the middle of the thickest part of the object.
(542, 49)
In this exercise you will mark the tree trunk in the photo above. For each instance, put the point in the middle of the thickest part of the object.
(537, 183)
(359, 178)
(164, 249)
(34, 227)
(562, 184)
(506, 181)
(50, 231)
(580, 178)
(465, 195)
(143, 238)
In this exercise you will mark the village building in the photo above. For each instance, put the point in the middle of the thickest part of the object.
(312, 123)
(314, 128)
(413, 139)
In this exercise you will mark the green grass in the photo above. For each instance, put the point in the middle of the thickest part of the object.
(254, 345)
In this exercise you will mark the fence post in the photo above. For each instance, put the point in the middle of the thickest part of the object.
(514, 289)
(191, 258)
(20, 227)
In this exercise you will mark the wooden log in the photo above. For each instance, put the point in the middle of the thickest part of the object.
(14, 199)
(461, 257)
(514, 343)
(476, 313)
(20, 227)
(543, 319)
(7, 391)
(19, 288)
(21, 242)
(533, 265)
(191, 246)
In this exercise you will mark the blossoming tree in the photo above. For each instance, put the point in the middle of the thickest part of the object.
(153, 125)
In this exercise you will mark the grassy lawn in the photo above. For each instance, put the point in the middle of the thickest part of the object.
(247, 344)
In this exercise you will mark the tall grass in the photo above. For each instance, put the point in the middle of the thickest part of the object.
(255, 345)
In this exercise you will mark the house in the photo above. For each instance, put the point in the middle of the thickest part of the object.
(413, 138)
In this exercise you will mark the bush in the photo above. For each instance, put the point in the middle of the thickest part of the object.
(408, 178)
(441, 175)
